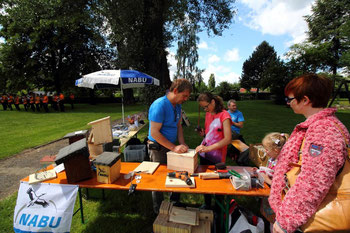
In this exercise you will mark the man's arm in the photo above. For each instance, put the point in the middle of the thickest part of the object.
(156, 134)
(180, 134)
(239, 124)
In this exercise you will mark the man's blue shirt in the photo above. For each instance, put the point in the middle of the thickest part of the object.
(236, 117)
(162, 111)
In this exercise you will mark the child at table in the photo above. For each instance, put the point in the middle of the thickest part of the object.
(272, 143)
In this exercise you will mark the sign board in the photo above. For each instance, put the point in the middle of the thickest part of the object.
(44, 207)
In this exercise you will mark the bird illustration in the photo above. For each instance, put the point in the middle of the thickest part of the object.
(35, 199)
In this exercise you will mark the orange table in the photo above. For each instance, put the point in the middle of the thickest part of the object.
(156, 182)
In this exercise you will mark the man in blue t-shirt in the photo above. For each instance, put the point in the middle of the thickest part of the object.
(237, 118)
(165, 128)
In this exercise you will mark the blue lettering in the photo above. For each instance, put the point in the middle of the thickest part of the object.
(24, 219)
(57, 223)
(43, 221)
(33, 221)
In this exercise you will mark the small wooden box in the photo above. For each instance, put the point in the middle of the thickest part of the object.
(107, 167)
(182, 162)
(101, 131)
(76, 136)
(76, 161)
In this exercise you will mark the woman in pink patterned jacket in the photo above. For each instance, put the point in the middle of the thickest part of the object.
(323, 153)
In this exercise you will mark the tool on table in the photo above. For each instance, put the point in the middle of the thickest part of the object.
(183, 175)
(234, 173)
(212, 175)
(132, 187)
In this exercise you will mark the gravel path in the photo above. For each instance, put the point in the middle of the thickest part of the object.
(16, 167)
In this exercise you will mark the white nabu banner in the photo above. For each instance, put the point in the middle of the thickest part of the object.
(44, 207)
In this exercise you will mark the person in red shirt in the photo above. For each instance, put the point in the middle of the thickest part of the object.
(217, 133)
(4, 101)
(10, 101)
(61, 102)
(55, 102)
(17, 101)
(45, 101)
(31, 101)
(37, 102)
(25, 102)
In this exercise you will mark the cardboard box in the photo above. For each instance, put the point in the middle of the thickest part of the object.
(76, 161)
(107, 167)
(182, 162)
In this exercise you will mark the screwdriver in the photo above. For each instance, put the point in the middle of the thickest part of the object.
(234, 173)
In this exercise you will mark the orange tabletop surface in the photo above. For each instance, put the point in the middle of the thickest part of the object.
(156, 182)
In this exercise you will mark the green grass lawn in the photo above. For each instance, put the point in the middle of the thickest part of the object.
(120, 212)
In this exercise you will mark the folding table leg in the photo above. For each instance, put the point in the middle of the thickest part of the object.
(81, 207)
(224, 211)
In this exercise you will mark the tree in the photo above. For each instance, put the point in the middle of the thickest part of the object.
(141, 38)
(211, 82)
(50, 43)
(256, 66)
(329, 29)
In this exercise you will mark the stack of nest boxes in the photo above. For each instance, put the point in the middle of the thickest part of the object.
(100, 134)
(173, 219)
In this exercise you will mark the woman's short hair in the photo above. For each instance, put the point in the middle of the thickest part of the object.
(208, 97)
(181, 85)
(317, 88)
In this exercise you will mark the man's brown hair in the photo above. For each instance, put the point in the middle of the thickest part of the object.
(181, 85)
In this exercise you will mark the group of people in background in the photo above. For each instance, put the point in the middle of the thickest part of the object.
(36, 102)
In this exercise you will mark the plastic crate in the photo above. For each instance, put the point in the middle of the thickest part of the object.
(134, 153)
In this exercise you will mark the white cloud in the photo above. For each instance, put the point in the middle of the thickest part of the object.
(203, 45)
(279, 17)
(213, 59)
(232, 55)
(221, 73)
(173, 63)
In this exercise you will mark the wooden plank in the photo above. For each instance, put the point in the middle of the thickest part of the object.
(204, 215)
(147, 167)
(102, 131)
(42, 176)
(239, 145)
(181, 215)
(178, 183)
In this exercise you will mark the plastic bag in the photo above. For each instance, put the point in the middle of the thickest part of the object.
(243, 220)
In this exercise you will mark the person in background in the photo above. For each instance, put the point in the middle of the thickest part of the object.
(37, 102)
(71, 100)
(320, 142)
(4, 101)
(25, 102)
(32, 101)
(216, 133)
(237, 120)
(61, 102)
(241, 157)
(45, 101)
(272, 143)
(54, 103)
(17, 102)
(165, 129)
(10, 101)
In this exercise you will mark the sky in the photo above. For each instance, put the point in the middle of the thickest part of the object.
(279, 22)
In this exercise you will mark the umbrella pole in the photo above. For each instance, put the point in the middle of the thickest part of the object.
(121, 90)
